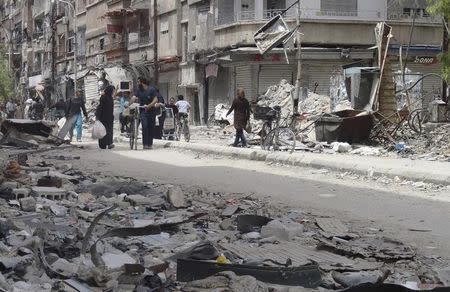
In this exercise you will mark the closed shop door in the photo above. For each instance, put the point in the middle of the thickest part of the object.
(244, 79)
(270, 75)
(320, 72)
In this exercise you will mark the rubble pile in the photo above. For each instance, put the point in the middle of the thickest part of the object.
(67, 230)
(433, 144)
(27, 133)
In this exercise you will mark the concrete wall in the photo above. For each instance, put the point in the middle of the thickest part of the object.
(333, 33)
(95, 28)
(167, 43)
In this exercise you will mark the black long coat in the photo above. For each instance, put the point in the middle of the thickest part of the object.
(241, 108)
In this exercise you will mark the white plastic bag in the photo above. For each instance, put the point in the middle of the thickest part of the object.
(61, 122)
(98, 130)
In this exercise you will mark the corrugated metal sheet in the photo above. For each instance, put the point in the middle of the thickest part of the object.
(91, 90)
(272, 74)
(320, 72)
(244, 80)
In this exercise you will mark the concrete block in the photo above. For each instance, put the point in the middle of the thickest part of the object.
(65, 267)
(282, 231)
(227, 224)
(28, 204)
(59, 211)
(20, 193)
(114, 261)
(176, 198)
(50, 193)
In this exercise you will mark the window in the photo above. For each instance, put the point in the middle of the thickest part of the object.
(339, 8)
(102, 44)
(70, 45)
(164, 29)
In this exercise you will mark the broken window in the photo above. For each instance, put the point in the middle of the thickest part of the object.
(102, 44)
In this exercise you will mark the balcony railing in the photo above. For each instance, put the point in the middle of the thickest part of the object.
(401, 16)
(251, 15)
(268, 14)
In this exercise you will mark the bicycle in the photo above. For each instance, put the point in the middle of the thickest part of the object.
(134, 126)
(183, 127)
(280, 137)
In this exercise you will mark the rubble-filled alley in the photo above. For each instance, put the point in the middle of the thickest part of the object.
(73, 223)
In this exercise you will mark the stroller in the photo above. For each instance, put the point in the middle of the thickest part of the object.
(170, 126)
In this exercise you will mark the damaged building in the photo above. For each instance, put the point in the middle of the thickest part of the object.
(205, 49)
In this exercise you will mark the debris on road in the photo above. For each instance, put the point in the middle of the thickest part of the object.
(74, 230)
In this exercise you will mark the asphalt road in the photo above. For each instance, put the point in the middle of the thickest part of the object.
(392, 209)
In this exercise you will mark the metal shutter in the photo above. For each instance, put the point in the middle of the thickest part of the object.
(320, 72)
(272, 75)
(91, 91)
(244, 80)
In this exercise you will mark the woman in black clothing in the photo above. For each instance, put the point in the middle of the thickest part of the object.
(105, 114)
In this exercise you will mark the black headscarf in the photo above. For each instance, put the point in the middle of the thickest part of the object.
(109, 90)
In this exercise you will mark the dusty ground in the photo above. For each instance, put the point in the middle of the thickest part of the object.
(364, 203)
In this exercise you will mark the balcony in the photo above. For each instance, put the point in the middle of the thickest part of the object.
(139, 39)
(398, 15)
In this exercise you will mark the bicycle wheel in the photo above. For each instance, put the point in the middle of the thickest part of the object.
(263, 134)
(136, 132)
(132, 134)
(418, 119)
(280, 139)
(187, 135)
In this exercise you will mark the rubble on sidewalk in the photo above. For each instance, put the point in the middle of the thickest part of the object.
(27, 133)
(84, 231)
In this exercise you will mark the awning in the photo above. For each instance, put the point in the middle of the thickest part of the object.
(81, 74)
(308, 53)
(416, 50)
(116, 75)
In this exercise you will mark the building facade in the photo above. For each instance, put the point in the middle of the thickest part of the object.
(205, 48)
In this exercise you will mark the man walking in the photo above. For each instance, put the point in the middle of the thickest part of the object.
(73, 117)
(148, 97)
(241, 108)
(161, 115)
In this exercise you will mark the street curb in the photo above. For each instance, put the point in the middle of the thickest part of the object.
(404, 169)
